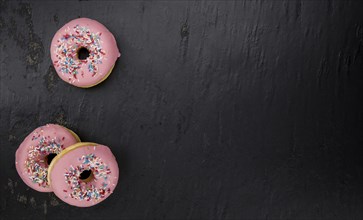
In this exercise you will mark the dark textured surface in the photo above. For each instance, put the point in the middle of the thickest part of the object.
(216, 110)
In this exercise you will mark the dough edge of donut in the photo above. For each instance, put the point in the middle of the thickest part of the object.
(103, 79)
(73, 134)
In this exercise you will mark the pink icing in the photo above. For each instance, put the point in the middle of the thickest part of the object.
(30, 158)
(66, 171)
(90, 34)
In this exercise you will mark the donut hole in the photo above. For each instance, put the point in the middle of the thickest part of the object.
(86, 175)
(83, 53)
(50, 157)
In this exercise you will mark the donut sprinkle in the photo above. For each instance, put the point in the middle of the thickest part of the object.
(35, 163)
(67, 52)
(80, 190)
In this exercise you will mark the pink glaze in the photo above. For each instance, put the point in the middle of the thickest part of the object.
(30, 158)
(90, 34)
(67, 185)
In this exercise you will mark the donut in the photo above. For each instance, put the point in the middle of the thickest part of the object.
(84, 174)
(84, 52)
(36, 152)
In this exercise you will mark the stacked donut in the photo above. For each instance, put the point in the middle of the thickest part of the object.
(53, 159)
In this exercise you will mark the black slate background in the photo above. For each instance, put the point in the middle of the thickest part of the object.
(216, 110)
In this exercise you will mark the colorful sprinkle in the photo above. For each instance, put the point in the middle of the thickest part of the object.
(34, 163)
(67, 49)
(81, 190)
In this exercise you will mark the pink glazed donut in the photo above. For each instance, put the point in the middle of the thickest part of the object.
(36, 152)
(84, 174)
(84, 52)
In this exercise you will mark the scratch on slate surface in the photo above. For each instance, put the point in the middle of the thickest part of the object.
(35, 52)
(184, 41)
(11, 186)
(45, 208)
(22, 199)
(32, 202)
(53, 200)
